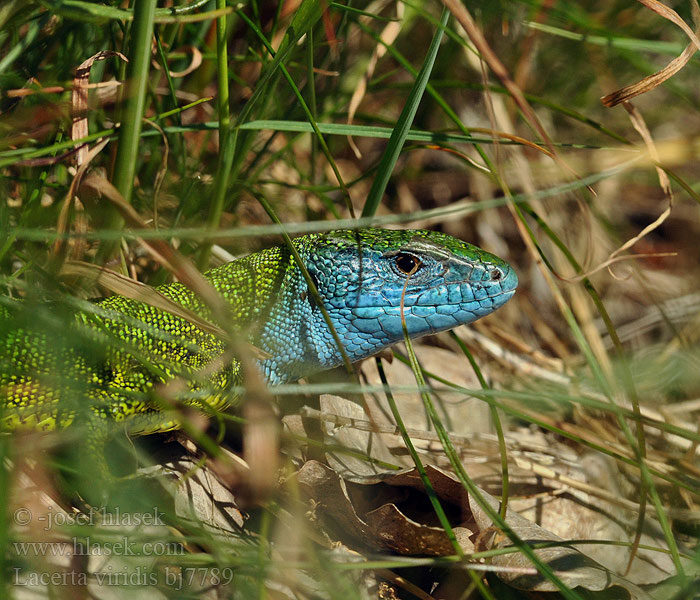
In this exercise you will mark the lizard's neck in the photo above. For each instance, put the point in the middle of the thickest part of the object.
(298, 339)
(286, 321)
(295, 333)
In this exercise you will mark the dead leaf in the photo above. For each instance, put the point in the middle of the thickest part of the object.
(78, 245)
(406, 536)
(201, 495)
(652, 81)
(463, 417)
(369, 445)
(330, 495)
(79, 98)
(386, 39)
(394, 520)
(195, 62)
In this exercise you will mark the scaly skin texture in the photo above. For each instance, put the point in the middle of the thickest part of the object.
(111, 358)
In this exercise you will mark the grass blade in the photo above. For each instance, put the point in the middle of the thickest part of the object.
(403, 125)
(130, 129)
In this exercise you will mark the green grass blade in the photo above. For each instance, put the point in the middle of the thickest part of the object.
(429, 490)
(305, 18)
(495, 417)
(308, 113)
(100, 13)
(403, 125)
(224, 125)
(471, 487)
(131, 119)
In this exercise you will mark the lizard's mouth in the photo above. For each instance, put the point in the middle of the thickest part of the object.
(449, 305)
(426, 318)
(467, 291)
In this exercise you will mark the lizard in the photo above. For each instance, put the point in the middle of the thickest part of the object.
(125, 348)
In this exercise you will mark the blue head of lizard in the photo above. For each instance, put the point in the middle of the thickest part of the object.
(361, 277)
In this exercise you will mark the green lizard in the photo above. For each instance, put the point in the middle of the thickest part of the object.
(114, 355)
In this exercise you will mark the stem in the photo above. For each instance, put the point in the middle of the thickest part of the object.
(130, 129)
(224, 125)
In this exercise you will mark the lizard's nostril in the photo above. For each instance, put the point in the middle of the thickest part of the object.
(496, 274)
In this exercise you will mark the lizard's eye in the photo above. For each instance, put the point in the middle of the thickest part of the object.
(407, 263)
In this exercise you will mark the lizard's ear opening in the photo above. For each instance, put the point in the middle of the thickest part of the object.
(309, 294)
(313, 278)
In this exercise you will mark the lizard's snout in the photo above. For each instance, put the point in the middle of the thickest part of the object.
(505, 277)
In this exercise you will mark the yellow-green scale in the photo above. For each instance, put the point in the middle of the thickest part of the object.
(115, 355)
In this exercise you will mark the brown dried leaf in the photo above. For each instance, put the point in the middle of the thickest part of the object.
(465, 417)
(385, 527)
(406, 536)
(82, 157)
(199, 494)
(386, 39)
(668, 13)
(652, 81)
(71, 200)
(571, 566)
(195, 62)
(367, 443)
(390, 526)
(79, 99)
(330, 495)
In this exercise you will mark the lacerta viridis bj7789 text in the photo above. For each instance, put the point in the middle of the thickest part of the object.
(112, 356)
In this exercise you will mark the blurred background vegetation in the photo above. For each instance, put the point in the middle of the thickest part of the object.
(222, 104)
